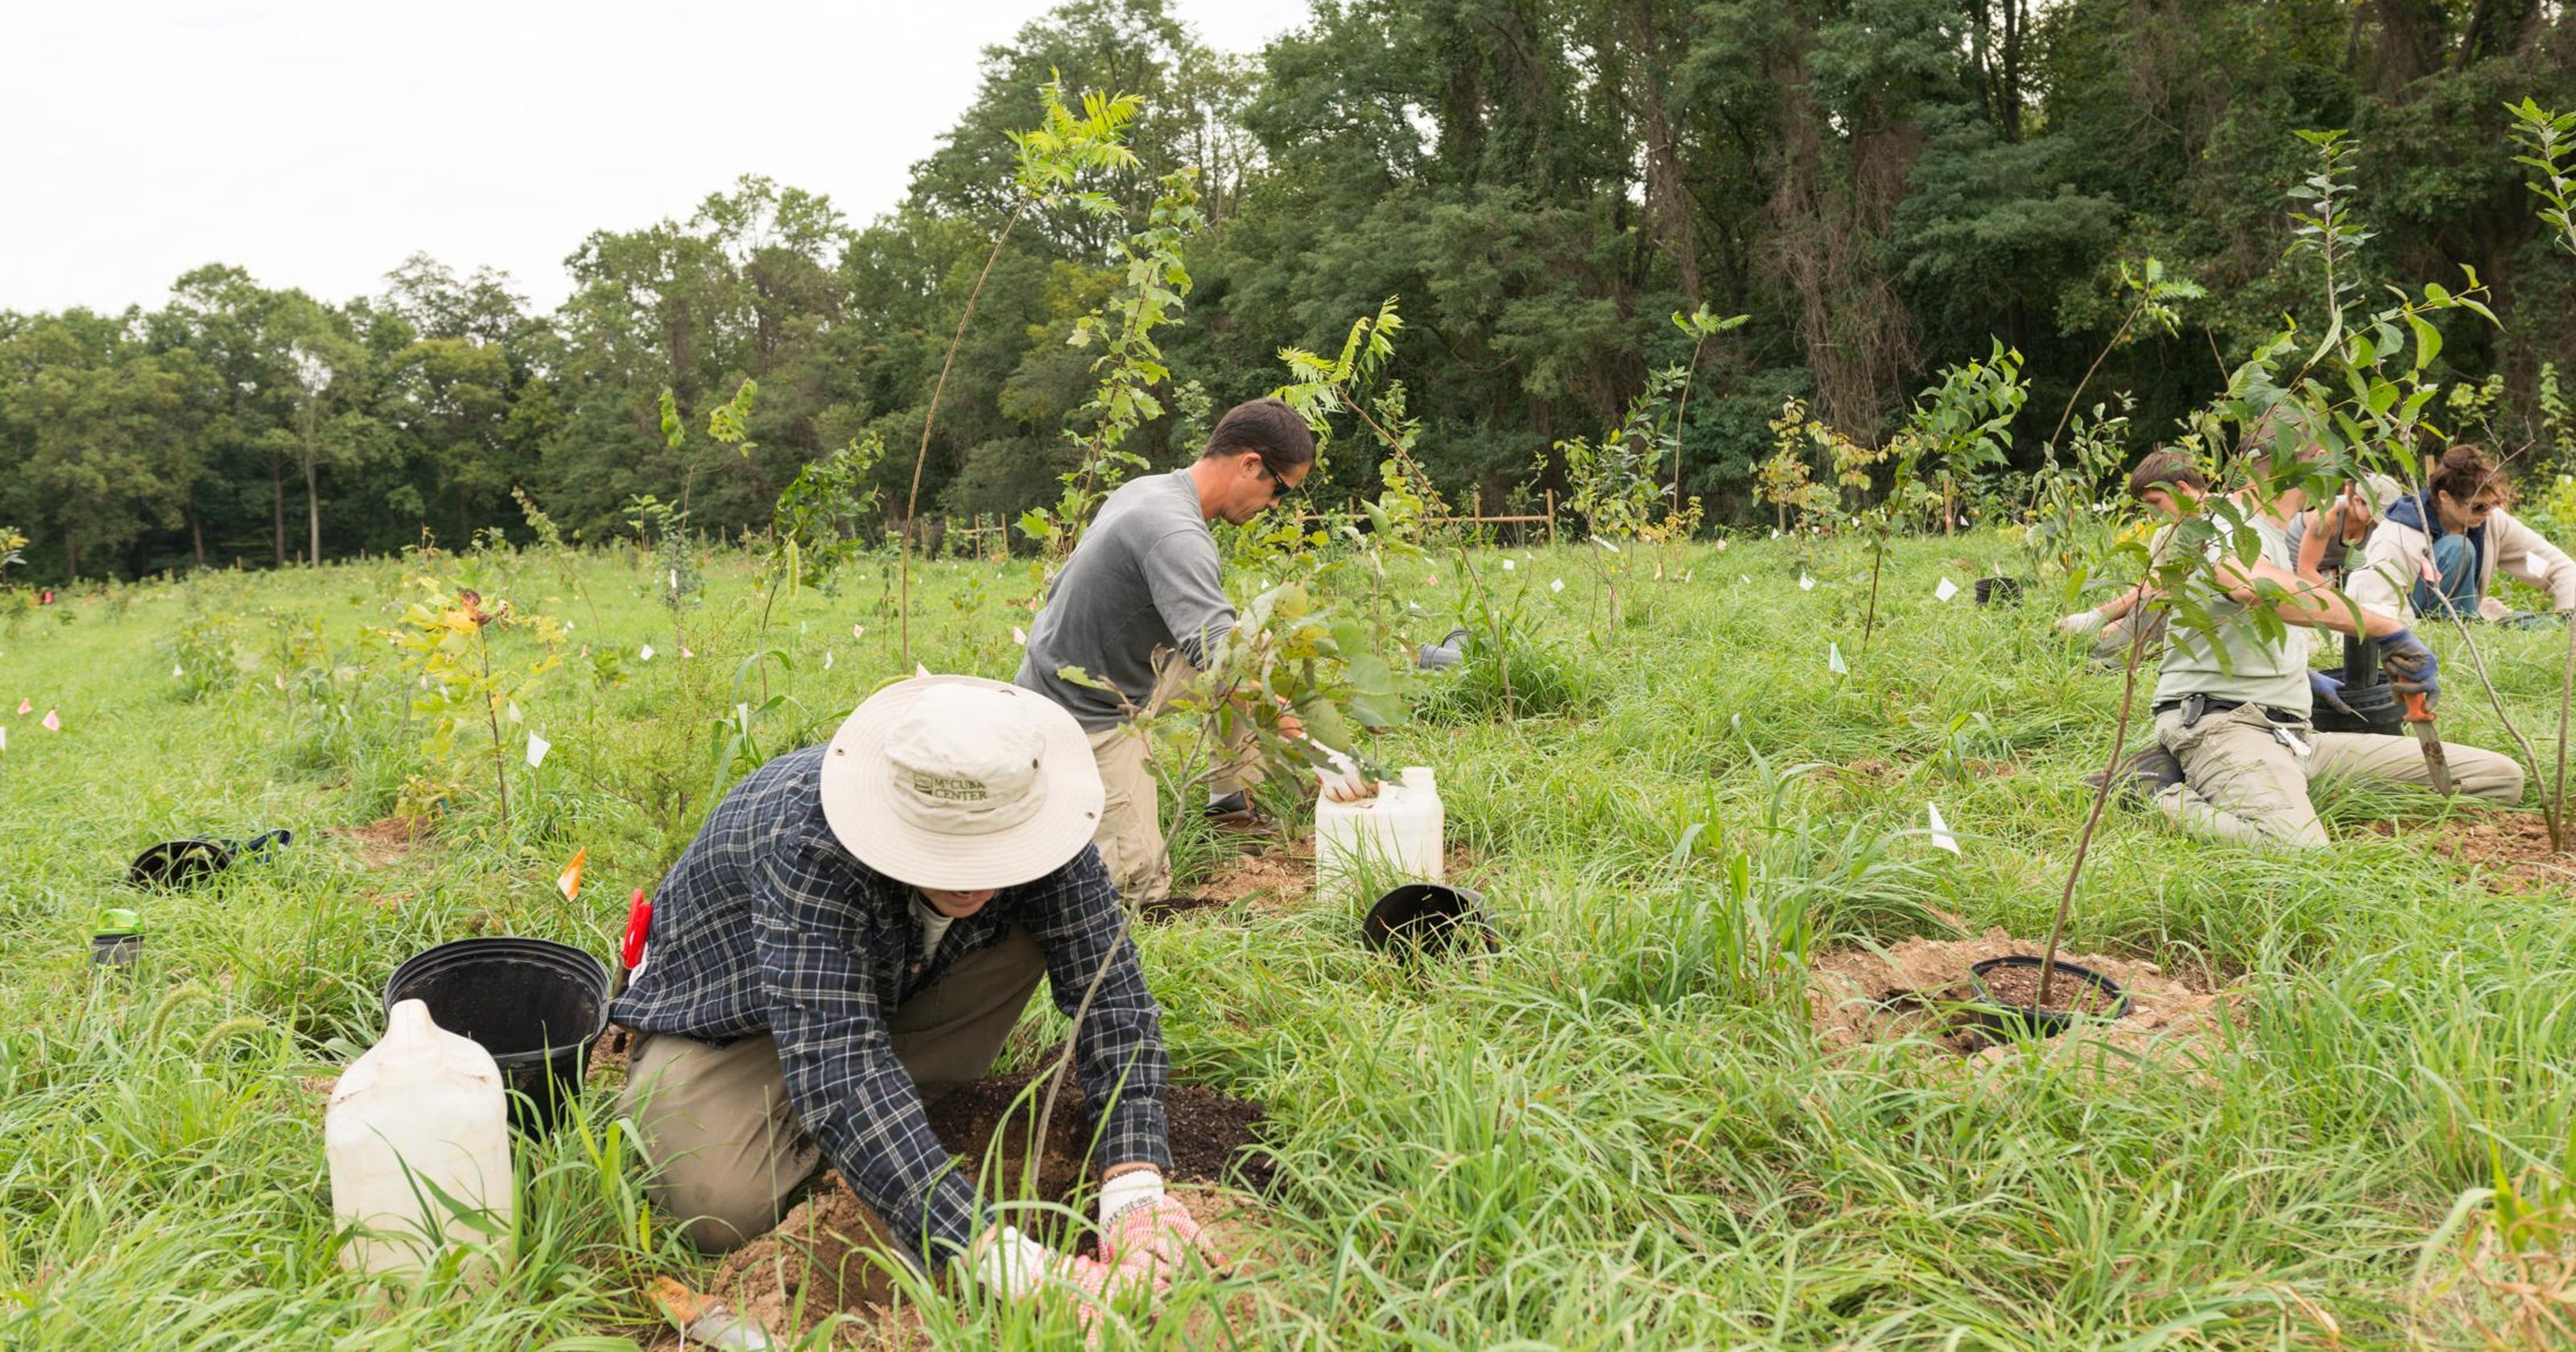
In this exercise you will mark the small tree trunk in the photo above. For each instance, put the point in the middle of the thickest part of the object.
(2558, 792)
(313, 511)
(2140, 619)
(277, 507)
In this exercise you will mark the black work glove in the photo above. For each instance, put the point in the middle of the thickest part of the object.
(2411, 667)
(2328, 691)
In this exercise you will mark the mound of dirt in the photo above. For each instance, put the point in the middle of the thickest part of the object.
(831, 1255)
(1272, 876)
(1279, 876)
(1913, 989)
(383, 843)
(2507, 851)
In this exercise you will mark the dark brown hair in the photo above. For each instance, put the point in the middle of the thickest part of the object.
(1267, 428)
(2163, 469)
(2465, 472)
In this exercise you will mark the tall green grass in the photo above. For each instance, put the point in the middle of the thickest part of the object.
(1614, 1131)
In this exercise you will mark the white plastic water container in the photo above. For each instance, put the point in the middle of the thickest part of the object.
(424, 1106)
(1397, 834)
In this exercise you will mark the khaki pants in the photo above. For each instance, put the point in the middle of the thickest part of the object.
(728, 1150)
(2242, 783)
(1130, 838)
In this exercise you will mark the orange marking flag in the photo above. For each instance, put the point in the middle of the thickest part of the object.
(570, 883)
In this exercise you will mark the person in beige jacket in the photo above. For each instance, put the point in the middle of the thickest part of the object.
(2437, 554)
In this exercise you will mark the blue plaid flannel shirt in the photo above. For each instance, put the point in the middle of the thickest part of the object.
(767, 925)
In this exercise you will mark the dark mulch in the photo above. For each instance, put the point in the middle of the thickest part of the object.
(1214, 1137)
(2066, 994)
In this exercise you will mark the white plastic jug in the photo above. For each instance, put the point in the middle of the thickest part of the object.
(1396, 834)
(423, 1107)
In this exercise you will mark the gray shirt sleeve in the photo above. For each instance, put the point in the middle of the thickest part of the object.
(1181, 572)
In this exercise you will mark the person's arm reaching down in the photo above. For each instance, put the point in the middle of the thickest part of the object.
(847, 1088)
(1181, 572)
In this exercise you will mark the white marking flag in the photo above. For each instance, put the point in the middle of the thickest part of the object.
(1941, 837)
(1834, 660)
(537, 749)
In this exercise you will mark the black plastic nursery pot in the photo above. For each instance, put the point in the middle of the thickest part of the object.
(2025, 1021)
(2375, 708)
(535, 1005)
(174, 864)
(1995, 591)
(1419, 919)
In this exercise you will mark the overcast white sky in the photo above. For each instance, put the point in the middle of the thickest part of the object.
(319, 144)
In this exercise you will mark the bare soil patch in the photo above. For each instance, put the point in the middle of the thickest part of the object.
(382, 843)
(831, 1255)
(1915, 990)
(2507, 851)
(1273, 875)
(1278, 876)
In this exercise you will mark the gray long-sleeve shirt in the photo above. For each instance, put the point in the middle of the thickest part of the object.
(1144, 577)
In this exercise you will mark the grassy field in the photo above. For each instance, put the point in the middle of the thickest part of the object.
(1622, 1130)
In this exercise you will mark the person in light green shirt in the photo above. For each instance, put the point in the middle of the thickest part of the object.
(2232, 703)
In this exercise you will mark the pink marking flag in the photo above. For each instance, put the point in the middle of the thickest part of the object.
(53, 721)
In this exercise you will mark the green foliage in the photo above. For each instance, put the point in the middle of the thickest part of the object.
(1130, 367)
(818, 528)
(445, 641)
(1882, 189)
(662, 530)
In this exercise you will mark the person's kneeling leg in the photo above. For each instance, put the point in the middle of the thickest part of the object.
(727, 1150)
(2241, 783)
(2366, 758)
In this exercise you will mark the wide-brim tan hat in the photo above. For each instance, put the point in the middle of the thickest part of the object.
(960, 783)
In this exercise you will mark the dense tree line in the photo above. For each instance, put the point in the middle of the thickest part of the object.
(1881, 185)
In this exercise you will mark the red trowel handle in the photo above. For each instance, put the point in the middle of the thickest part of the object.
(639, 925)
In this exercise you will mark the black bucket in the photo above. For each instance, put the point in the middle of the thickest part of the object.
(2375, 707)
(535, 1005)
(2025, 1021)
(1996, 591)
(1420, 918)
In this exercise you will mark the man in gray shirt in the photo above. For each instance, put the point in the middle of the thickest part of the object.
(1140, 604)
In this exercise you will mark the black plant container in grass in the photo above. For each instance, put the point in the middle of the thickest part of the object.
(535, 1005)
(1998, 591)
(1423, 919)
(2008, 991)
(174, 864)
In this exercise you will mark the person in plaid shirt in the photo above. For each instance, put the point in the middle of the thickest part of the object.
(853, 932)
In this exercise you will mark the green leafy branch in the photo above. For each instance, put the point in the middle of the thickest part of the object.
(1152, 287)
(1054, 159)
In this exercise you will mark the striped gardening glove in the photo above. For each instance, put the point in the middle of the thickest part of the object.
(1146, 1232)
